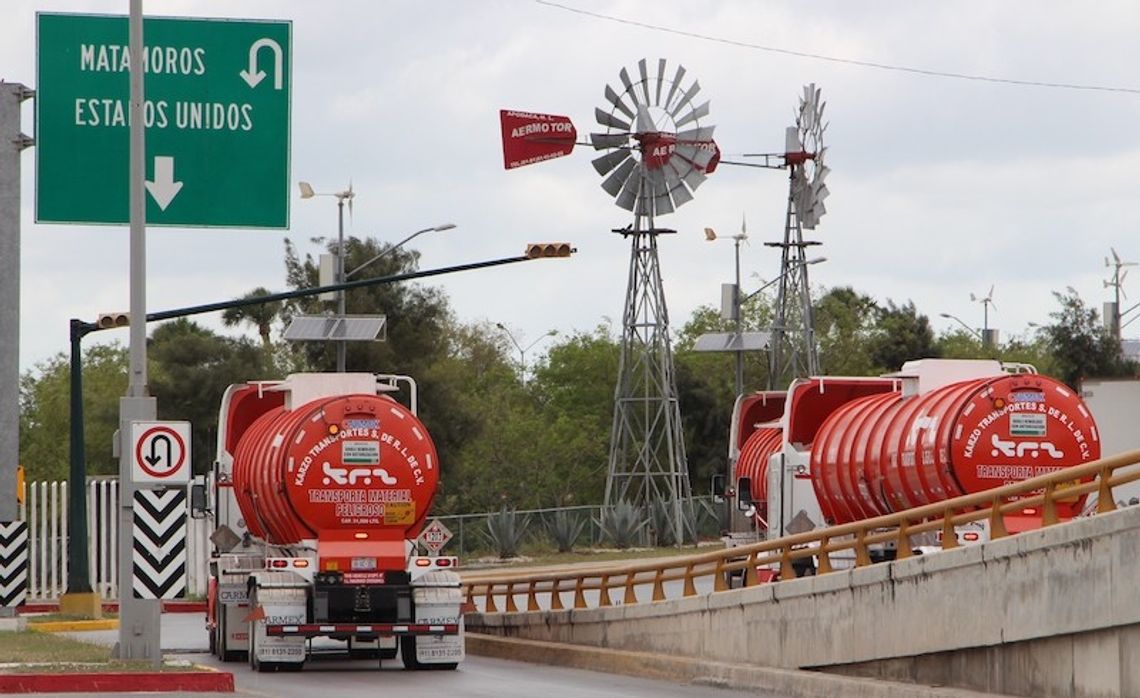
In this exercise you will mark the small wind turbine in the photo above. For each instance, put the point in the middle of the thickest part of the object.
(1117, 283)
(986, 302)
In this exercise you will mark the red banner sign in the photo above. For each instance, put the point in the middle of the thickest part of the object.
(529, 138)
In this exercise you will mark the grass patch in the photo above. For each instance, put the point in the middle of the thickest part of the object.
(34, 652)
(65, 617)
(33, 646)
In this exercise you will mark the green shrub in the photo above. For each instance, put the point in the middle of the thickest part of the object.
(622, 525)
(505, 531)
(565, 529)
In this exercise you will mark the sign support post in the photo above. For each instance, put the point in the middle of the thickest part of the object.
(140, 635)
(12, 143)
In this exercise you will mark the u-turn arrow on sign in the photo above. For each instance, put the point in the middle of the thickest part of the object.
(160, 452)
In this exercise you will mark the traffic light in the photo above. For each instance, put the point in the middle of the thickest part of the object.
(107, 321)
(549, 249)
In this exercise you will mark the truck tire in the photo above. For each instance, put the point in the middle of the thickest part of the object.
(224, 653)
(355, 652)
(254, 665)
(408, 656)
(408, 653)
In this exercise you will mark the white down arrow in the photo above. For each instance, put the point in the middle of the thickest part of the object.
(163, 188)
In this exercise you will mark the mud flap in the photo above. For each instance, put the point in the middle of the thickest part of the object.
(438, 599)
(276, 606)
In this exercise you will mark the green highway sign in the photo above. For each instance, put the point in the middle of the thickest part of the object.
(217, 112)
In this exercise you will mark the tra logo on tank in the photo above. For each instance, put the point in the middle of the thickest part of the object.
(350, 476)
(1012, 449)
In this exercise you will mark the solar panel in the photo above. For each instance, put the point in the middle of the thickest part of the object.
(348, 328)
(731, 341)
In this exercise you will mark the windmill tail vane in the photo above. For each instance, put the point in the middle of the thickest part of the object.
(657, 152)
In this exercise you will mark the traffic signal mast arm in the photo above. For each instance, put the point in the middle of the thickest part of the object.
(112, 320)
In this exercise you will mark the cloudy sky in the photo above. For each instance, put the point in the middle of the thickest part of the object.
(941, 186)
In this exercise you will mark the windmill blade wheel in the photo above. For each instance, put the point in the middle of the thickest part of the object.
(653, 166)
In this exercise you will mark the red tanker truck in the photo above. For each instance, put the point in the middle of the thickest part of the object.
(832, 450)
(321, 485)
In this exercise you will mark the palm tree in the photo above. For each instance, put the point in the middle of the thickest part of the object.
(260, 315)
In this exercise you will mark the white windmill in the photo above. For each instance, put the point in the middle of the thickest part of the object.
(660, 151)
(792, 349)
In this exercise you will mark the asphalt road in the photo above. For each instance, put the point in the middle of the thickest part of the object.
(184, 637)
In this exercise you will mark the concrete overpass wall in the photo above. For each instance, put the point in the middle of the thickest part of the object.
(1054, 612)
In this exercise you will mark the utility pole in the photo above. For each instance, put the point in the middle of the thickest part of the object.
(140, 633)
(12, 143)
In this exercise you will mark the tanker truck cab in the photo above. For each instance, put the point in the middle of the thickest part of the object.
(792, 503)
(323, 483)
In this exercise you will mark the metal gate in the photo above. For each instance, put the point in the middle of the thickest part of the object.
(45, 511)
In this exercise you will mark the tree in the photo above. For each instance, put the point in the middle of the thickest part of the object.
(418, 318)
(844, 324)
(575, 389)
(190, 368)
(961, 344)
(45, 415)
(900, 334)
(260, 316)
(1081, 346)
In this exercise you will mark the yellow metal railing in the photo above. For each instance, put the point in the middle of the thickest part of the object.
(856, 539)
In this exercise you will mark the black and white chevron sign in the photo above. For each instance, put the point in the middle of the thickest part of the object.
(160, 544)
(13, 562)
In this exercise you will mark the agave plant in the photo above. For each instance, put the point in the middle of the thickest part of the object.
(506, 530)
(661, 521)
(565, 529)
(623, 524)
(661, 514)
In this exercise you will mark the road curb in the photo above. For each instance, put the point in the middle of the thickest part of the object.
(119, 682)
(73, 626)
(785, 682)
(113, 607)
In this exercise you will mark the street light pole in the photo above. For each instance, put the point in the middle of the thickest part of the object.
(434, 229)
(971, 330)
(342, 345)
(521, 349)
(341, 196)
(808, 262)
(739, 383)
(710, 235)
(738, 301)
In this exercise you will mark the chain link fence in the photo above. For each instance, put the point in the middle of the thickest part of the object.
(471, 534)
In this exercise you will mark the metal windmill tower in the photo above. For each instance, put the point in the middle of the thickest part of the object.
(659, 152)
(792, 349)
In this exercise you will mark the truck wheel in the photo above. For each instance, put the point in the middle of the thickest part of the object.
(254, 665)
(224, 652)
(408, 653)
(355, 652)
(408, 656)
